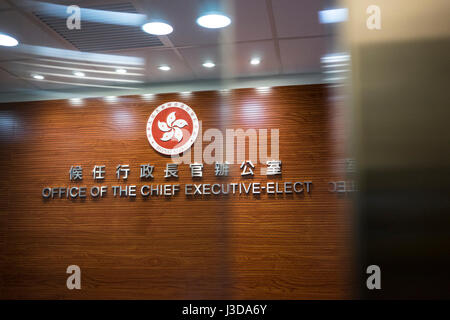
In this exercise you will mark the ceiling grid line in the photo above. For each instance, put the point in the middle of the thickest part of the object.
(166, 41)
(273, 29)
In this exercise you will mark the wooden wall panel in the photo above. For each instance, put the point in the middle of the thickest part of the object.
(235, 246)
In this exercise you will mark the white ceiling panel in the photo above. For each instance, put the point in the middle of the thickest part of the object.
(302, 55)
(244, 52)
(58, 83)
(51, 86)
(27, 33)
(26, 30)
(249, 21)
(9, 82)
(233, 60)
(297, 18)
(196, 56)
(154, 58)
(299, 35)
(61, 76)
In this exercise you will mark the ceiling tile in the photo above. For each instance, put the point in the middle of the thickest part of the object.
(9, 82)
(230, 48)
(249, 21)
(244, 52)
(233, 60)
(302, 55)
(155, 58)
(61, 76)
(297, 18)
(26, 31)
(196, 56)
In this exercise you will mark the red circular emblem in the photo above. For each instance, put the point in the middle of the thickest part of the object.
(172, 128)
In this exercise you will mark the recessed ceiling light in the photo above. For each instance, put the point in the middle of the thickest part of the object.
(111, 98)
(333, 15)
(213, 21)
(79, 73)
(7, 41)
(263, 89)
(209, 64)
(164, 68)
(38, 77)
(148, 96)
(121, 70)
(76, 101)
(336, 71)
(255, 61)
(335, 58)
(335, 79)
(157, 28)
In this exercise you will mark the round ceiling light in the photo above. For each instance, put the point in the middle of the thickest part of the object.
(7, 41)
(79, 73)
(111, 98)
(255, 61)
(164, 68)
(213, 21)
(38, 77)
(157, 28)
(209, 64)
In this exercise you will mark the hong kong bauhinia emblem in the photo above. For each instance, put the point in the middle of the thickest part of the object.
(172, 128)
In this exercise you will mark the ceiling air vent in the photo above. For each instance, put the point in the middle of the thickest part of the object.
(98, 37)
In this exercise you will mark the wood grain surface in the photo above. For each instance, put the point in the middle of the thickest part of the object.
(209, 247)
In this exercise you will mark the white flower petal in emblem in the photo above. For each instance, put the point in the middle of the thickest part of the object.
(163, 126)
(180, 123)
(167, 136)
(178, 134)
(170, 119)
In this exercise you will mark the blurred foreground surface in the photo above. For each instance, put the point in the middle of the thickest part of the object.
(400, 106)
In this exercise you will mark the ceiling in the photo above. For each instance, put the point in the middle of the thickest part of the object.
(285, 34)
